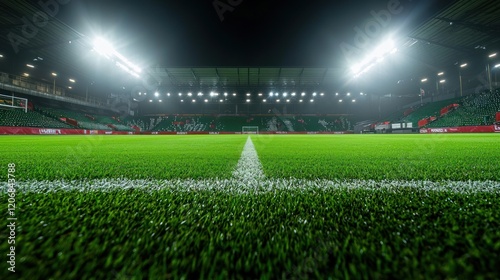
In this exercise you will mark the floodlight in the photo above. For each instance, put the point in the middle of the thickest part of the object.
(1, 55)
(424, 80)
(150, 100)
(463, 65)
(277, 100)
(285, 94)
(194, 100)
(271, 93)
(492, 55)
(225, 93)
(293, 93)
(361, 93)
(72, 80)
(442, 81)
(221, 100)
(340, 101)
(354, 101)
(206, 100)
(248, 100)
(314, 94)
(496, 66)
(303, 94)
(301, 101)
(288, 100)
(322, 94)
(30, 66)
(190, 94)
(336, 94)
(260, 93)
(440, 73)
(312, 100)
(157, 94)
(248, 94)
(264, 101)
(180, 93)
(200, 93)
(26, 74)
(70, 87)
(54, 74)
(348, 94)
(140, 93)
(103, 47)
(234, 93)
(168, 94)
(182, 100)
(160, 100)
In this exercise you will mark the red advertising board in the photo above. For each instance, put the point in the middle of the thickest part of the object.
(462, 129)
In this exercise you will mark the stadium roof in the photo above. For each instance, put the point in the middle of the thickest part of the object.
(246, 77)
(466, 29)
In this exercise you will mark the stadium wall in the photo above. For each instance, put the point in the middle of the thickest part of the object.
(52, 131)
(463, 129)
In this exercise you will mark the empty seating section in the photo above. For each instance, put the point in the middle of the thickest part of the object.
(476, 109)
(427, 110)
(87, 120)
(186, 124)
(16, 117)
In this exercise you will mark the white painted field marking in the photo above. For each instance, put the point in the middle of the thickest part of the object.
(249, 168)
(249, 178)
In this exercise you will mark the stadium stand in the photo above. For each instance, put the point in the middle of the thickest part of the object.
(473, 110)
(428, 110)
(18, 118)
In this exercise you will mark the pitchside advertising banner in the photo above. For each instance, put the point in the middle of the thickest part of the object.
(463, 129)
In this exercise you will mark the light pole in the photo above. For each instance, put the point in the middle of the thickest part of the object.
(488, 71)
(54, 87)
(460, 77)
(422, 91)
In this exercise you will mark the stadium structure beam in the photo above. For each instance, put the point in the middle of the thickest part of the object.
(456, 48)
(476, 27)
(195, 77)
(324, 75)
(217, 75)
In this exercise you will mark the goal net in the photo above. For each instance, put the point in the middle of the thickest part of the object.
(250, 130)
(11, 101)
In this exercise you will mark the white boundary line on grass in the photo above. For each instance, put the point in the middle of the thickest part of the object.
(249, 178)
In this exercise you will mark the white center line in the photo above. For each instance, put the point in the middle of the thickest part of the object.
(249, 168)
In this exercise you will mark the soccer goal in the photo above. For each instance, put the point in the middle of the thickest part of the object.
(250, 130)
(11, 101)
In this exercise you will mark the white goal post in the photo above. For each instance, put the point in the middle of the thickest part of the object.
(10, 101)
(250, 130)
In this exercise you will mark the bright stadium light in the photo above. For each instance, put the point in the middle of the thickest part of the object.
(180, 93)
(260, 94)
(30, 66)
(72, 80)
(264, 100)
(54, 74)
(285, 94)
(322, 94)
(288, 100)
(303, 94)
(354, 101)
(312, 100)
(182, 100)
(314, 94)
(225, 93)
(293, 93)
(200, 93)
(492, 55)
(440, 73)
(248, 100)
(168, 94)
(221, 100)
(277, 100)
(497, 66)
(340, 100)
(377, 55)
(157, 94)
(301, 100)
(234, 93)
(106, 49)
(424, 80)
(442, 81)
(463, 65)
(206, 100)
(160, 101)
(348, 94)
(190, 94)
(248, 94)
(194, 100)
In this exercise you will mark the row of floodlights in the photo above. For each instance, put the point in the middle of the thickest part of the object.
(249, 100)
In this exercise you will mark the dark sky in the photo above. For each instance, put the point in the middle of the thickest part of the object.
(252, 33)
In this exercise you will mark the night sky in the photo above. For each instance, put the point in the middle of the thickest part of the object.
(252, 33)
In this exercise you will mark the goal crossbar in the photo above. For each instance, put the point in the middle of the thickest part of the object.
(250, 130)
(11, 101)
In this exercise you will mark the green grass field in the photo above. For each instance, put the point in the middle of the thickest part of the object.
(168, 207)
